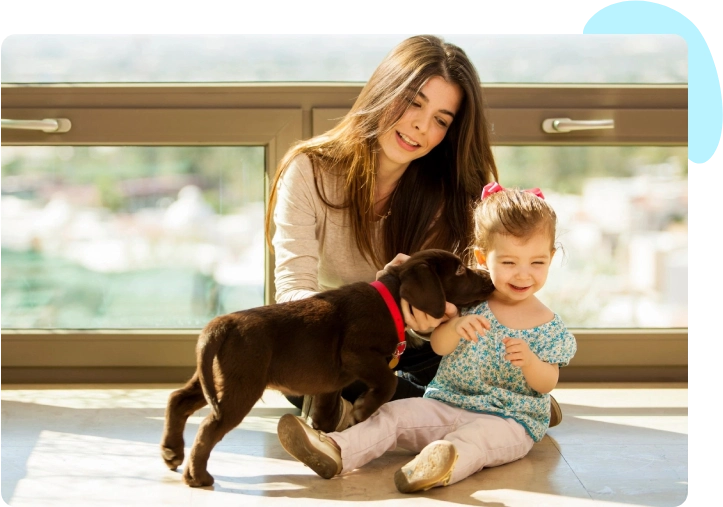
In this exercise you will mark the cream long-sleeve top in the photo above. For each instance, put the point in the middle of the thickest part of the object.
(314, 247)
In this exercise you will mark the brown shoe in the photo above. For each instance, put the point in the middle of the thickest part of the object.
(432, 467)
(312, 447)
(555, 412)
(306, 407)
(346, 420)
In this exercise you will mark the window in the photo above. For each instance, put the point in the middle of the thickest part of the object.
(622, 230)
(621, 193)
(99, 237)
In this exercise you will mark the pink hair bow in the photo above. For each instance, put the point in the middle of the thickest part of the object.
(494, 187)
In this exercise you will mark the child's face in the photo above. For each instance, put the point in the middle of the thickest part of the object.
(518, 266)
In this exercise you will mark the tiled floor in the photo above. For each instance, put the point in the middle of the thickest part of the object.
(618, 444)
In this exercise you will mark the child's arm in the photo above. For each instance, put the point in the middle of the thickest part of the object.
(445, 337)
(541, 376)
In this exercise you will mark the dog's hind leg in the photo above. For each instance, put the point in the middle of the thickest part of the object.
(181, 404)
(237, 400)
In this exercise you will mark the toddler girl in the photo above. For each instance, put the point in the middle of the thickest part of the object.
(489, 401)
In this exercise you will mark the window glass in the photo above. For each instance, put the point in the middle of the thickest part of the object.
(130, 237)
(622, 232)
(349, 58)
(139, 237)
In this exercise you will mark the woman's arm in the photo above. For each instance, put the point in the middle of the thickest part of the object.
(296, 245)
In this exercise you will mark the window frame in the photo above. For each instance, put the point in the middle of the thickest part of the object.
(275, 115)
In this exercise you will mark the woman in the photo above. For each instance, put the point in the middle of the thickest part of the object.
(398, 174)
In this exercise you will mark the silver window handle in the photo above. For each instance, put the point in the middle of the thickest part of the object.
(50, 125)
(562, 125)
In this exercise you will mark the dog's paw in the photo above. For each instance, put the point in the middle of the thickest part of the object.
(172, 458)
(197, 479)
(359, 415)
(360, 411)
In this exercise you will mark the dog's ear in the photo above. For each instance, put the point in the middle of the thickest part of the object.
(421, 286)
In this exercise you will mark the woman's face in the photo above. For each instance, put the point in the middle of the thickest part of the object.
(423, 125)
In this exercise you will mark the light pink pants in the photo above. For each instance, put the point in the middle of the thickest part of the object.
(481, 440)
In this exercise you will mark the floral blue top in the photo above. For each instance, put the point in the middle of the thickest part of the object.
(476, 377)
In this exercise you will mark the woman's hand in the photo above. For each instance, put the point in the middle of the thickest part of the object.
(398, 259)
(413, 317)
(423, 322)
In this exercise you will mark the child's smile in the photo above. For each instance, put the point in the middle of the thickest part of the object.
(519, 266)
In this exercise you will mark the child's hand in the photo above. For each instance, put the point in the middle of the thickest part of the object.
(469, 325)
(518, 352)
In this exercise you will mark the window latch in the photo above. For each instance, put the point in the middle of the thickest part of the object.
(563, 125)
(49, 125)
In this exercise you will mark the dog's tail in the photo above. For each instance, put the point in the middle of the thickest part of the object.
(207, 348)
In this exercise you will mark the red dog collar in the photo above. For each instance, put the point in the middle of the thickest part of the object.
(398, 320)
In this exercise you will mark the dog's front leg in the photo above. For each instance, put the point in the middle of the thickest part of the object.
(325, 411)
(382, 383)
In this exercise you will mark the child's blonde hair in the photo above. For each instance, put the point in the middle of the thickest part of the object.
(512, 212)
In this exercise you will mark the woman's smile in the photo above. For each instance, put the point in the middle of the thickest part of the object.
(406, 142)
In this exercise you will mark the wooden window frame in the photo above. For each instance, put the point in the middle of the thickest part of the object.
(274, 116)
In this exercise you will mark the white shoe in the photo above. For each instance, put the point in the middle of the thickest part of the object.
(432, 467)
(312, 447)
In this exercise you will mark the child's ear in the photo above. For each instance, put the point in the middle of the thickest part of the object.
(480, 256)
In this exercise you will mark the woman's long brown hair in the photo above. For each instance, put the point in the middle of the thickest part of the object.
(432, 205)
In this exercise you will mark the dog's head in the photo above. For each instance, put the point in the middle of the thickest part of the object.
(431, 277)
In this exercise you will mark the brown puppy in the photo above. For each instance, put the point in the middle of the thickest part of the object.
(314, 346)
